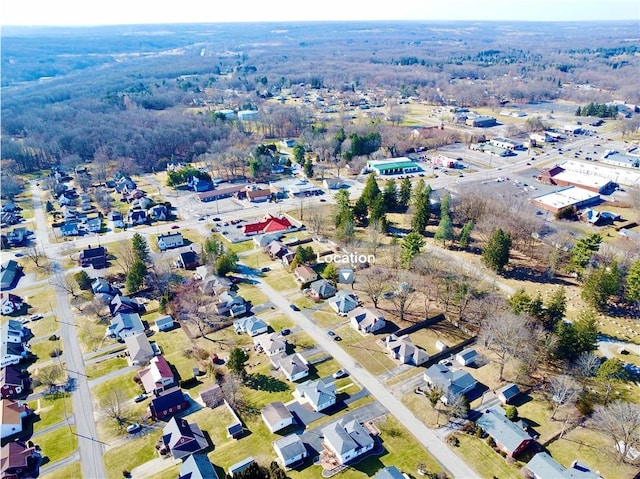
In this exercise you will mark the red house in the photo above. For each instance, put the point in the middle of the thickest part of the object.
(17, 461)
(12, 382)
(167, 403)
(269, 224)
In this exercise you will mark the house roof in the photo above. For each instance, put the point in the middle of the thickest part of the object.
(168, 398)
(502, 430)
(212, 396)
(157, 371)
(250, 325)
(268, 224)
(305, 273)
(344, 301)
(509, 391)
(293, 364)
(322, 287)
(290, 447)
(11, 376)
(317, 392)
(171, 237)
(11, 411)
(270, 342)
(391, 472)
(183, 438)
(345, 436)
(14, 455)
(188, 257)
(126, 322)
(275, 412)
(197, 466)
(467, 354)
(139, 347)
(543, 466)
(164, 320)
(454, 382)
(365, 317)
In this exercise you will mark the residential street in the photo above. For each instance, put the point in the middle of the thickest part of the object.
(428, 438)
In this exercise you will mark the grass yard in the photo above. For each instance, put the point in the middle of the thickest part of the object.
(101, 368)
(300, 341)
(124, 384)
(41, 300)
(302, 301)
(132, 454)
(43, 348)
(281, 280)
(277, 321)
(326, 317)
(252, 294)
(51, 410)
(214, 422)
(91, 334)
(593, 449)
(443, 331)
(168, 473)
(538, 411)
(263, 387)
(256, 260)
(484, 460)
(365, 350)
(70, 470)
(399, 378)
(45, 327)
(421, 408)
(57, 444)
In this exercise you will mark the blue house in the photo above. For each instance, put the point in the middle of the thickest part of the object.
(197, 466)
(199, 185)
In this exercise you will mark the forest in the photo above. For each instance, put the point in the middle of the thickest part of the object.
(142, 95)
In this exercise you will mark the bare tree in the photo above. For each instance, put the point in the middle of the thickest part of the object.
(113, 406)
(562, 390)
(50, 374)
(36, 254)
(64, 283)
(620, 421)
(125, 256)
(506, 335)
(231, 390)
(374, 284)
(586, 365)
(403, 296)
(317, 221)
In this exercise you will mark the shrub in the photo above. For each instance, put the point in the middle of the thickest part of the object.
(491, 442)
(55, 352)
(53, 337)
(453, 440)
(512, 413)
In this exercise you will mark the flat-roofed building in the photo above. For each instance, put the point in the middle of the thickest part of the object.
(394, 166)
(570, 196)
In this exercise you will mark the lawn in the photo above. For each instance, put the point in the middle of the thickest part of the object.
(132, 454)
(303, 302)
(214, 422)
(326, 317)
(41, 300)
(51, 410)
(252, 294)
(281, 280)
(101, 368)
(262, 387)
(44, 327)
(593, 449)
(256, 260)
(300, 341)
(43, 348)
(123, 384)
(70, 470)
(484, 460)
(168, 473)
(58, 444)
(443, 331)
(365, 350)
(277, 321)
(421, 408)
(538, 412)
(91, 334)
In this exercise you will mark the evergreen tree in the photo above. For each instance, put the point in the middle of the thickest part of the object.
(377, 209)
(330, 273)
(583, 251)
(308, 168)
(600, 285)
(465, 234)
(520, 301)
(411, 246)
(371, 190)
(495, 254)
(422, 207)
(632, 283)
(136, 276)
(586, 327)
(444, 232)
(390, 196)
(360, 211)
(610, 372)
(226, 263)
(83, 280)
(236, 362)
(445, 204)
(140, 248)
(298, 153)
(404, 196)
(555, 309)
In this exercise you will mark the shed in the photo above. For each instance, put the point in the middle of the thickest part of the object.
(466, 357)
(165, 323)
(240, 466)
(507, 393)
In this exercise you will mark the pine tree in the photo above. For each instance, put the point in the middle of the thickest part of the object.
(632, 283)
(555, 309)
(495, 254)
(140, 248)
(405, 194)
(444, 232)
(390, 196)
(411, 246)
(371, 190)
(600, 285)
(583, 251)
(136, 276)
(422, 207)
(465, 234)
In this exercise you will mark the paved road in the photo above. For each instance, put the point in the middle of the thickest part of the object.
(427, 437)
(89, 448)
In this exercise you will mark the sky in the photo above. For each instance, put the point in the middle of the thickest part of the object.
(120, 12)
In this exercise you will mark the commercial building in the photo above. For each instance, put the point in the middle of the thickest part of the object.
(393, 166)
(566, 197)
(585, 180)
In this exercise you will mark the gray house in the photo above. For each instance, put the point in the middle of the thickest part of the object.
(322, 289)
(452, 383)
(290, 450)
(123, 325)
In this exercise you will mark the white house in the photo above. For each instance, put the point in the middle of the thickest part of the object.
(452, 383)
(251, 325)
(276, 416)
(319, 394)
(290, 450)
(10, 303)
(165, 323)
(366, 320)
(293, 366)
(13, 332)
(466, 357)
(347, 440)
(343, 302)
(123, 325)
(170, 240)
(158, 376)
(270, 343)
(403, 350)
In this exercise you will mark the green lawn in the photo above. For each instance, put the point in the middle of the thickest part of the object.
(44, 327)
(257, 260)
(43, 348)
(539, 412)
(52, 410)
(132, 454)
(278, 321)
(484, 460)
(365, 350)
(303, 302)
(70, 470)
(281, 280)
(58, 444)
(91, 334)
(123, 383)
(252, 294)
(168, 473)
(326, 317)
(101, 368)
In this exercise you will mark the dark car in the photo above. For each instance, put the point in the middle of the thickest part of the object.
(216, 219)
(331, 333)
(133, 428)
(175, 227)
(285, 332)
(140, 398)
(294, 307)
(337, 338)
(265, 269)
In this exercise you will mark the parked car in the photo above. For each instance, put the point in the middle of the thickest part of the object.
(294, 307)
(285, 332)
(339, 374)
(140, 397)
(35, 317)
(331, 333)
(174, 227)
(337, 338)
(265, 269)
(133, 428)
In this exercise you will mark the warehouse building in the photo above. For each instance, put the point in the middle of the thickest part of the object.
(393, 166)
(570, 196)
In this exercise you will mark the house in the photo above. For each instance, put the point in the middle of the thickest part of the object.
(182, 439)
(270, 343)
(402, 350)
(508, 436)
(199, 185)
(231, 303)
(346, 440)
(123, 325)
(333, 183)
(290, 450)
(254, 194)
(170, 240)
(11, 415)
(158, 213)
(124, 305)
(276, 249)
(187, 260)
(17, 236)
(238, 467)
(212, 397)
(366, 320)
(251, 325)
(543, 466)
(276, 416)
(452, 383)
(167, 403)
(319, 394)
(507, 393)
(139, 349)
(165, 323)
(18, 461)
(9, 273)
(466, 357)
(390, 472)
(12, 353)
(157, 376)
(94, 225)
(69, 228)
(261, 241)
(10, 303)
(13, 382)
(13, 331)
(116, 218)
(293, 366)
(322, 289)
(136, 217)
(269, 224)
(197, 466)
(343, 302)
(305, 274)
(102, 286)
(96, 257)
